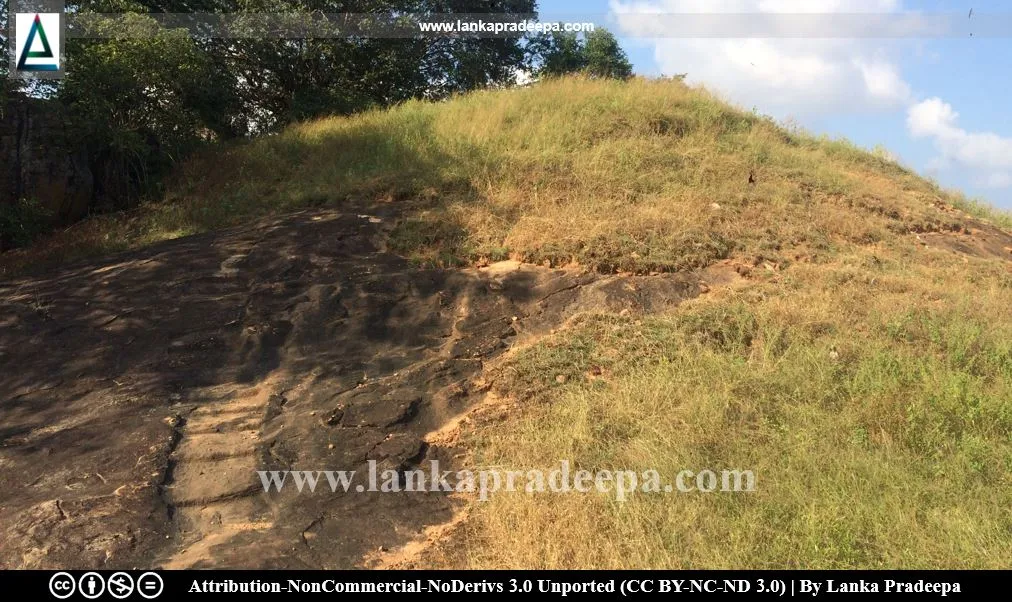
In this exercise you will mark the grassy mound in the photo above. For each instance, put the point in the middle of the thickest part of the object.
(640, 175)
(864, 375)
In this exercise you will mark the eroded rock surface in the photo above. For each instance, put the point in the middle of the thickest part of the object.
(139, 395)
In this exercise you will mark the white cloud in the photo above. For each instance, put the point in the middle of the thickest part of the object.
(778, 75)
(803, 77)
(931, 117)
(984, 152)
(882, 80)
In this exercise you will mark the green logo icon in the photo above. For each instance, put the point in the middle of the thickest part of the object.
(45, 53)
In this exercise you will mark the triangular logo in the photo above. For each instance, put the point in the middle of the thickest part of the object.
(45, 53)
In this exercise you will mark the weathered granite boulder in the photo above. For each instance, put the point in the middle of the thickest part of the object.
(38, 160)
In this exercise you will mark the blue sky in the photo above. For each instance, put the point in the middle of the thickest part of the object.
(939, 104)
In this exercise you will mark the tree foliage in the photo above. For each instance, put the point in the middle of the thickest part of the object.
(605, 58)
(596, 54)
(253, 85)
(140, 96)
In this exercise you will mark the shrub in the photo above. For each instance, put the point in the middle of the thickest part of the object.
(22, 222)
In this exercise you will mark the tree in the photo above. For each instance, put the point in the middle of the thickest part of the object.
(604, 57)
(7, 86)
(141, 96)
(562, 54)
(137, 99)
(4, 42)
(596, 54)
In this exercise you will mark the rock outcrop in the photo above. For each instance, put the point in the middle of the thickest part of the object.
(39, 161)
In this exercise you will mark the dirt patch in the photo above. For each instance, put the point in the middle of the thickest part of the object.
(141, 394)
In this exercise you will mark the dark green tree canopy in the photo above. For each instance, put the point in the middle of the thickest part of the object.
(251, 85)
(596, 54)
(140, 96)
(605, 58)
(144, 98)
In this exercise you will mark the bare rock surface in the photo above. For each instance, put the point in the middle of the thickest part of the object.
(140, 394)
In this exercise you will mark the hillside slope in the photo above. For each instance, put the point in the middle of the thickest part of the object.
(689, 286)
(640, 175)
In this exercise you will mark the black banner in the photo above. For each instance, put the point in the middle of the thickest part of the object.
(156, 584)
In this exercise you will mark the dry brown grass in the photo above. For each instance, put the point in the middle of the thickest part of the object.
(870, 394)
(865, 378)
(641, 175)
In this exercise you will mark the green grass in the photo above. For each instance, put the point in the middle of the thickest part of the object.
(877, 420)
(865, 378)
(982, 209)
(640, 176)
